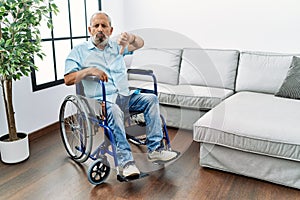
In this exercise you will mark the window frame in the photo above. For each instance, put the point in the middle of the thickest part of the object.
(56, 81)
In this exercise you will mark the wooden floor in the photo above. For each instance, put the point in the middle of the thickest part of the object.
(50, 174)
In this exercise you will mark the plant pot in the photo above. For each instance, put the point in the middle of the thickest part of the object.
(14, 151)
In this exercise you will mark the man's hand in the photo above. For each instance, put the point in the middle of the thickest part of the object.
(99, 73)
(124, 40)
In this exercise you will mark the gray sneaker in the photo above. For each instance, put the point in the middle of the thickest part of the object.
(162, 155)
(130, 169)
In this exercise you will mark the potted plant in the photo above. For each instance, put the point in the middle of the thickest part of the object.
(19, 42)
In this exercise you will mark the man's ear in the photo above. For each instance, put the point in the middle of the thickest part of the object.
(111, 30)
(89, 29)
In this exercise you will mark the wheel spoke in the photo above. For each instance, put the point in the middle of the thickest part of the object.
(75, 129)
(98, 171)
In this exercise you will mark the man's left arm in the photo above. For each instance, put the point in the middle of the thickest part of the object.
(135, 43)
(132, 41)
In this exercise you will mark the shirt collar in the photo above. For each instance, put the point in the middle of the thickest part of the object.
(91, 45)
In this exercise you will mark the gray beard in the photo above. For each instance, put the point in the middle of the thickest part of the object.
(104, 43)
(97, 41)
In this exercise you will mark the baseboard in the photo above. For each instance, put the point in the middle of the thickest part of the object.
(43, 131)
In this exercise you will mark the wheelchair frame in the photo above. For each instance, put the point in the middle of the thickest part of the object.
(81, 126)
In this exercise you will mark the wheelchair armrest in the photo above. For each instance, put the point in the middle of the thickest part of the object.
(140, 71)
(146, 72)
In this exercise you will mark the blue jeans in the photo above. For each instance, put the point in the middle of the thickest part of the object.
(146, 103)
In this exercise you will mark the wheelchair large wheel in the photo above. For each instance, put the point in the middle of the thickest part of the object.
(76, 129)
(98, 171)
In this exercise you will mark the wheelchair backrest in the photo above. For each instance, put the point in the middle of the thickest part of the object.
(80, 89)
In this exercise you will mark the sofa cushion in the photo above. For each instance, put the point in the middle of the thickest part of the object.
(253, 122)
(262, 72)
(164, 63)
(209, 67)
(291, 84)
(195, 97)
(188, 96)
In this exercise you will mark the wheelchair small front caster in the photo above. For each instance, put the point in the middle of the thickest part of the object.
(98, 171)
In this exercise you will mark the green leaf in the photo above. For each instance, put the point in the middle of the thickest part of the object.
(20, 20)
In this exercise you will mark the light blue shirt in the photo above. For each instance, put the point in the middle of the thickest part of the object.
(108, 60)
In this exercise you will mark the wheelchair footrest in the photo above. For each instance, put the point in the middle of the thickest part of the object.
(131, 178)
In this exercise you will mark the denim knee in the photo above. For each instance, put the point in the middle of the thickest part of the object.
(152, 98)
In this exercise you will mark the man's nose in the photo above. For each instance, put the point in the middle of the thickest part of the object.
(100, 29)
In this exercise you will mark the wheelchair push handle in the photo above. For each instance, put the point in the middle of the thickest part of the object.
(91, 78)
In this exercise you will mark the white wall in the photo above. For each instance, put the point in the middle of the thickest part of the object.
(258, 25)
(34, 110)
(115, 9)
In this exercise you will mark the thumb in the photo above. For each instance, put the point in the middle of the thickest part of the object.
(122, 49)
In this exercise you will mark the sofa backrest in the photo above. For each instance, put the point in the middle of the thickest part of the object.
(262, 72)
(209, 67)
(165, 64)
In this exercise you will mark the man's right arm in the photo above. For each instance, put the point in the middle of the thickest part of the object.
(75, 77)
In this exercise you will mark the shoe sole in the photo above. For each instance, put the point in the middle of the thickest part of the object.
(132, 175)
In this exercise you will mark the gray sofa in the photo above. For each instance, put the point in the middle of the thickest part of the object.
(228, 98)
(190, 81)
(254, 132)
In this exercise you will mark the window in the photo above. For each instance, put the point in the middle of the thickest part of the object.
(69, 29)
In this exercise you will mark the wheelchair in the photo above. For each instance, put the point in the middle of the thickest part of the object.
(79, 122)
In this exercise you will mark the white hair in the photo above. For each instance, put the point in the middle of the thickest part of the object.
(100, 12)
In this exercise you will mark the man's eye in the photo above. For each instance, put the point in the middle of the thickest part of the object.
(96, 26)
(103, 25)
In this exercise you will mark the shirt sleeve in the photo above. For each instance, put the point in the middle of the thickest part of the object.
(72, 62)
(126, 52)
